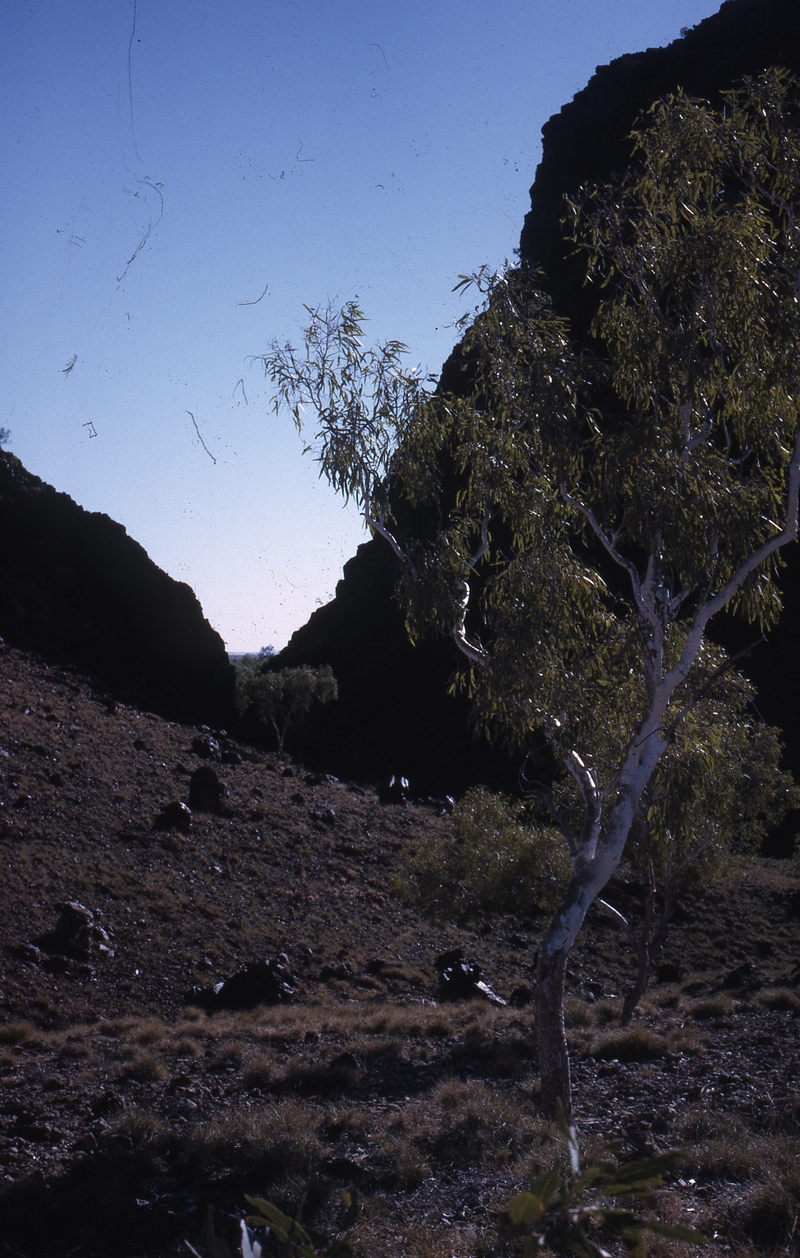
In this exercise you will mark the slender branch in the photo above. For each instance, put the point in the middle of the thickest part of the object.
(475, 653)
(715, 604)
(592, 802)
(715, 676)
(484, 546)
(620, 919)
(611, 550)
(698, 851)
(378, 526)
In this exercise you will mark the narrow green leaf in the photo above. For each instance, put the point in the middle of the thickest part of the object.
(523, 1209)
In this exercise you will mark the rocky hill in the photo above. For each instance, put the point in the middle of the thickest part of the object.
(131, 1104)
(394, 713)
(76, 589)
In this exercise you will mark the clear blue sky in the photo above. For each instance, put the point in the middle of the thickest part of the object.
(166, 162)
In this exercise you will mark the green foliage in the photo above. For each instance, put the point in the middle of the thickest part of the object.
(559, 1212)
(363, 400)
(294, 1240)
(499, 859)
(694, 819)
(562, 1208)
(282, 699)
(579, 514)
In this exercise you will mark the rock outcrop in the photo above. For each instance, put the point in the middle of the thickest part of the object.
(394, 713)
(76, 589)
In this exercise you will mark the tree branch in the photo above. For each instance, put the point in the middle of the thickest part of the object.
(592, 804)
(713, 605)
(475, 653)
(611, 549)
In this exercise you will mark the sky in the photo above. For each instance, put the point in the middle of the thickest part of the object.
(180, 178)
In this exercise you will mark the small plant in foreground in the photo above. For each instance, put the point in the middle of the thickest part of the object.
(555, 1213)
(293, 1238)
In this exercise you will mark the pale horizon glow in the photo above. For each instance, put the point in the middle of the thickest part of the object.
(181, 178)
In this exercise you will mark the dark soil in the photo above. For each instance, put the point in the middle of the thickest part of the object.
(125, 1110)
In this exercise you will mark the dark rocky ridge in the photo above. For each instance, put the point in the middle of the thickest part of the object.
(588, 140)
(394, 713)
(76, 589)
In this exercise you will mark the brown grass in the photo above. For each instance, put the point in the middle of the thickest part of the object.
(636, 1043)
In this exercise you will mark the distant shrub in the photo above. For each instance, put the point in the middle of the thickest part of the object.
(281, 699)
(498, 860)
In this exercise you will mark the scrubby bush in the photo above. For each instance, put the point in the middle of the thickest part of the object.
(499, 860)
(281, 699)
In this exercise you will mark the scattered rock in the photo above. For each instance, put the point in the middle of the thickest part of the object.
(460, 979)
(521, 995)
(320, 779)
(230, 756)
(336, 969)
(743, 975)
(259, 983)
(176, 816)
(78, 936)
(394, 790)
(443, 806)
(288, 772)
(326, 815)
(206, 747)
(205, 790)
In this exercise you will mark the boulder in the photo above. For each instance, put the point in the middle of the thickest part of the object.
(205, 790)
(460, 979)
(77, 935)
(394, 790)
(258, 983)
(176, 816)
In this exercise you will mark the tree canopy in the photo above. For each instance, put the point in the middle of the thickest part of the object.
(579, 513)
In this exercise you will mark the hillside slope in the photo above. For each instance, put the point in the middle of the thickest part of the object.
(125, 1110)
(75, 588)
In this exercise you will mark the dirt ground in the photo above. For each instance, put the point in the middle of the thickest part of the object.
(126, 1110)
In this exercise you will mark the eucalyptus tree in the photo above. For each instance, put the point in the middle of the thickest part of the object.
(575, 517)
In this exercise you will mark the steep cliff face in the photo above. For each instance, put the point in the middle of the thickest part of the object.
(588, 140)
(398, 693)
(394, 713)
(75, 588)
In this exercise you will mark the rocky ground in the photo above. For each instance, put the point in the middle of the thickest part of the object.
(126, 1110)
